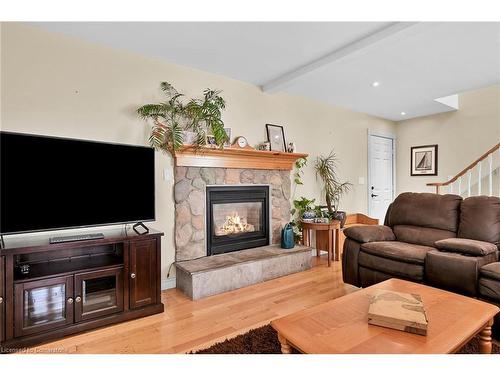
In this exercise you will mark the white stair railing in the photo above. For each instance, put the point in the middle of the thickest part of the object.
(489, 176)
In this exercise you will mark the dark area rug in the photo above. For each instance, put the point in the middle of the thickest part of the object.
(264, 340)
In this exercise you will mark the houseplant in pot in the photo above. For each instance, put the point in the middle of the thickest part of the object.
(326, 169)
(300, 207)
(177, 114)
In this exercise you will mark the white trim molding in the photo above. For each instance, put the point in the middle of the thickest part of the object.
(168, 283)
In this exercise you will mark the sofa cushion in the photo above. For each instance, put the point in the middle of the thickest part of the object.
(491, 271)
(426, 210)
(370, 233)
(368, 277)
(420, 235)
(396, 268)
(480, 219)
(466, 246)
(489, 289)
(400, 251)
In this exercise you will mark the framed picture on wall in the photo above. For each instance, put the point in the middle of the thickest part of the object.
(424, 160)
(276, 136)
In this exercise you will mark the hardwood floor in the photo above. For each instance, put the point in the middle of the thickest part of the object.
(190, 325)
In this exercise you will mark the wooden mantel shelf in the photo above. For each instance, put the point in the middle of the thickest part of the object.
(248, 158)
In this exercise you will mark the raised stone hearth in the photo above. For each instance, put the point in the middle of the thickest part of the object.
(212, 275)
(190, 210)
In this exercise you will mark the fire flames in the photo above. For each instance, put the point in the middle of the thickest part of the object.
(234, 224)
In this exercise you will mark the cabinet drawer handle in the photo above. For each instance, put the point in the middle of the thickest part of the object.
(1, 300)
(78, 299)
(70, 300)
(132, 275)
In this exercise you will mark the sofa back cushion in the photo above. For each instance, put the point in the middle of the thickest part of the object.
(421, 235)
(480, 219)
(426, 210)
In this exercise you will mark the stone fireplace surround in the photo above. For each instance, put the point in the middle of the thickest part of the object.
(190, 201)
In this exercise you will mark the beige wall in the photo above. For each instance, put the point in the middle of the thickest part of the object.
(462, 136)
(55, 85)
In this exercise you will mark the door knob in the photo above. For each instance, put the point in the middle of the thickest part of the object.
(1, 300)
(78, 299)
(70, 300)
(374, 195)
(132, 275)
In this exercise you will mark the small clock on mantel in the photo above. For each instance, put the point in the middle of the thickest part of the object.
(241, 142)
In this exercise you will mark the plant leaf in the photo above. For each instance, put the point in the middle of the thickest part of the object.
(197, 115)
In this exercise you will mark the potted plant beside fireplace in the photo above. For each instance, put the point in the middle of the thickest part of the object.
(326, 169)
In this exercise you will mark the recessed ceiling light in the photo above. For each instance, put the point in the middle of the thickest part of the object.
(403, 113)
(375, 84)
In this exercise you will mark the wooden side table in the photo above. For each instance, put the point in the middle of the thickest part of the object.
(327, 235)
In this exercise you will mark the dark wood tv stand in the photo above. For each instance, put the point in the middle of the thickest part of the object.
(48, 291)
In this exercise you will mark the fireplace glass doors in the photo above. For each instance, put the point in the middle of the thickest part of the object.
(237, 218)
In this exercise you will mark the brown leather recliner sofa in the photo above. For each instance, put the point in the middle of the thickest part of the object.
(440, 240)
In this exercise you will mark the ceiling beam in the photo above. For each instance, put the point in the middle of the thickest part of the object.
(281, 81)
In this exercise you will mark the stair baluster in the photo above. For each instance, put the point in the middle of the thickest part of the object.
(479, 178)
(469, 179)
(490, 174)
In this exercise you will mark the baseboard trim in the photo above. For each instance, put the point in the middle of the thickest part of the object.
(168, 283)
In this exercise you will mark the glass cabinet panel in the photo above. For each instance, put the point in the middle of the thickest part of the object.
(99, 293)
(44, 305)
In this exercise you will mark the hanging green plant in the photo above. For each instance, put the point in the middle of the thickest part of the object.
(298, 174)
(170, 119)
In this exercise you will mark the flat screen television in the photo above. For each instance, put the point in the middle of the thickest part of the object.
(49, 183)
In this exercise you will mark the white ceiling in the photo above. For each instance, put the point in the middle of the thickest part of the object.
(334, 62)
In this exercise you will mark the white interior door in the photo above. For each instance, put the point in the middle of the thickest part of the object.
(381, 175)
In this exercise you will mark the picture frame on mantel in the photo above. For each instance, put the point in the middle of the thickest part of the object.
(276, 136)
(424, 160)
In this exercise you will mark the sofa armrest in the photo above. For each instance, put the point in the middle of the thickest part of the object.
(350, 266)
(466, 246)
(370, 233)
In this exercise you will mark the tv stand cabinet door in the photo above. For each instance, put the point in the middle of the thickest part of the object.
(143, 273)
(43, 305)
(98, 293)
(2, 299)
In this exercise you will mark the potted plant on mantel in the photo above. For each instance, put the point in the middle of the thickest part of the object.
(177, 115)
(326, 169)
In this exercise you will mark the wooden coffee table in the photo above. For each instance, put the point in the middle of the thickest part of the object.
(341, 325)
